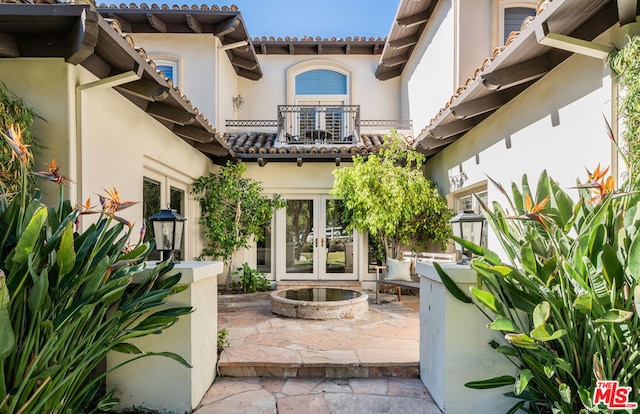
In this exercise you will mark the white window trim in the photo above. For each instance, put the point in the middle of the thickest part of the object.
(499, 7)
(168, 60)
(315, 64)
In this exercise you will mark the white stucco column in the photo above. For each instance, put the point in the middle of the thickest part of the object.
(162, 384)
(454, 346)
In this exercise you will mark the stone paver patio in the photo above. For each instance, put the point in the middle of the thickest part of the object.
(369, 364)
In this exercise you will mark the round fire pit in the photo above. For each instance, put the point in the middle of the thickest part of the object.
(319, 303)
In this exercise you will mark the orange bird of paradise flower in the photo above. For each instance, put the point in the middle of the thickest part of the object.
(53, 174)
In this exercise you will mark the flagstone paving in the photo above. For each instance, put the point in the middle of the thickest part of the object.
(274, 364)
(384, 342)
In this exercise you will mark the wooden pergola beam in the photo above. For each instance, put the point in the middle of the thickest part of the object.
(8, 46)
(414, 19)
(157, 23)
(145, 89)
(516, 74)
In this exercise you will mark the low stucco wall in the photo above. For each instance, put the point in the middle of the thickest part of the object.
(162, 384)
(454, 346)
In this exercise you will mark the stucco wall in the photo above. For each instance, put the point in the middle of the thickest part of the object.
(377, 99)
(428, 80)
(557, 125)
(104, 141)
(196, 57)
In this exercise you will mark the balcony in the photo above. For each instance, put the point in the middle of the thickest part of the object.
(321, 125)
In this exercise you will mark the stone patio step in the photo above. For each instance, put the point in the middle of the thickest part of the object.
(408, 370)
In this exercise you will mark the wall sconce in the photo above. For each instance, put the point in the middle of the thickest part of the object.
(467, 225)
(238, 102)
(168, 227)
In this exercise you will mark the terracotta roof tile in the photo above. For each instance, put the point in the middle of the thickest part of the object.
(265, 143)
(163, 6)
(542, 4)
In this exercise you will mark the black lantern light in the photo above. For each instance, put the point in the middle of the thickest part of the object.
(168, 227)
(467, 225)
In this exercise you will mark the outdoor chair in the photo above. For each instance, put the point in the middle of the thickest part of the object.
(404, 275)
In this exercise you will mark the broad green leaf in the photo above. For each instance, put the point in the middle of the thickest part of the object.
(38, 292)
(634, 258)
(171, 355)
(541, 333)
(636, 299)
(66, 255)
(521, 341)
(504, 324)
(506, 350)
(584, 303)
(541, 314)
(549, 371)
(451, 286)
(615, 316)
(495, 382)
(30, 236)
(528, 259)
(488, 300)
(523, 381)
(7, 338)
(565, 392)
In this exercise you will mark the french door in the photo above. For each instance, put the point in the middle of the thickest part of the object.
(312, 242)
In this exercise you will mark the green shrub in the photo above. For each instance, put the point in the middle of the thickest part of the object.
(67, 299)
(251, 280)
(223, 334)
(565, 298)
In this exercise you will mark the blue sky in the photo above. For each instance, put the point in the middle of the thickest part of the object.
(324, 18)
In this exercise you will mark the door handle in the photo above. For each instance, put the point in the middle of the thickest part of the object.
(322, 242)
(316, 241)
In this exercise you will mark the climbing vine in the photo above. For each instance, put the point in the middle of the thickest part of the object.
(625, 62)
(14, 114)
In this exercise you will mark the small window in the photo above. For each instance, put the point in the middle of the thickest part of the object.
(513, 18)
(169, 68)
(150, 206)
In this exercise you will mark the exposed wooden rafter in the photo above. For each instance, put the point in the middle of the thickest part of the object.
(226, 27)
(84, 37)
(453, 128)
(193, 23)
(169, 113)
(243, 63)
(414, 20)
(157, 23)
(194, 134)
(396, 60)
(516, 74)
(8, 46)
(627, 11)
(478, 106)
(145, 89)
(403, 42)
(263, 49)
(210, 149)
(124, 23)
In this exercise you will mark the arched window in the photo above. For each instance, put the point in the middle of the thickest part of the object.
(321, 82)
(508, 16)
(513, 18)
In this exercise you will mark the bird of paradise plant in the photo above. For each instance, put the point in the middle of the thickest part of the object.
(566, 298)
(67, 299)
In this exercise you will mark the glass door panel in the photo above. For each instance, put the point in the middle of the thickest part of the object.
(300, 242)
(337, 244)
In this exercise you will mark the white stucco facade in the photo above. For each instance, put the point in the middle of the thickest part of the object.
(102, 140)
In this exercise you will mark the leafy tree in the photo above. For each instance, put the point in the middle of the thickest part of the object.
(233, 211)
(387, 195)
